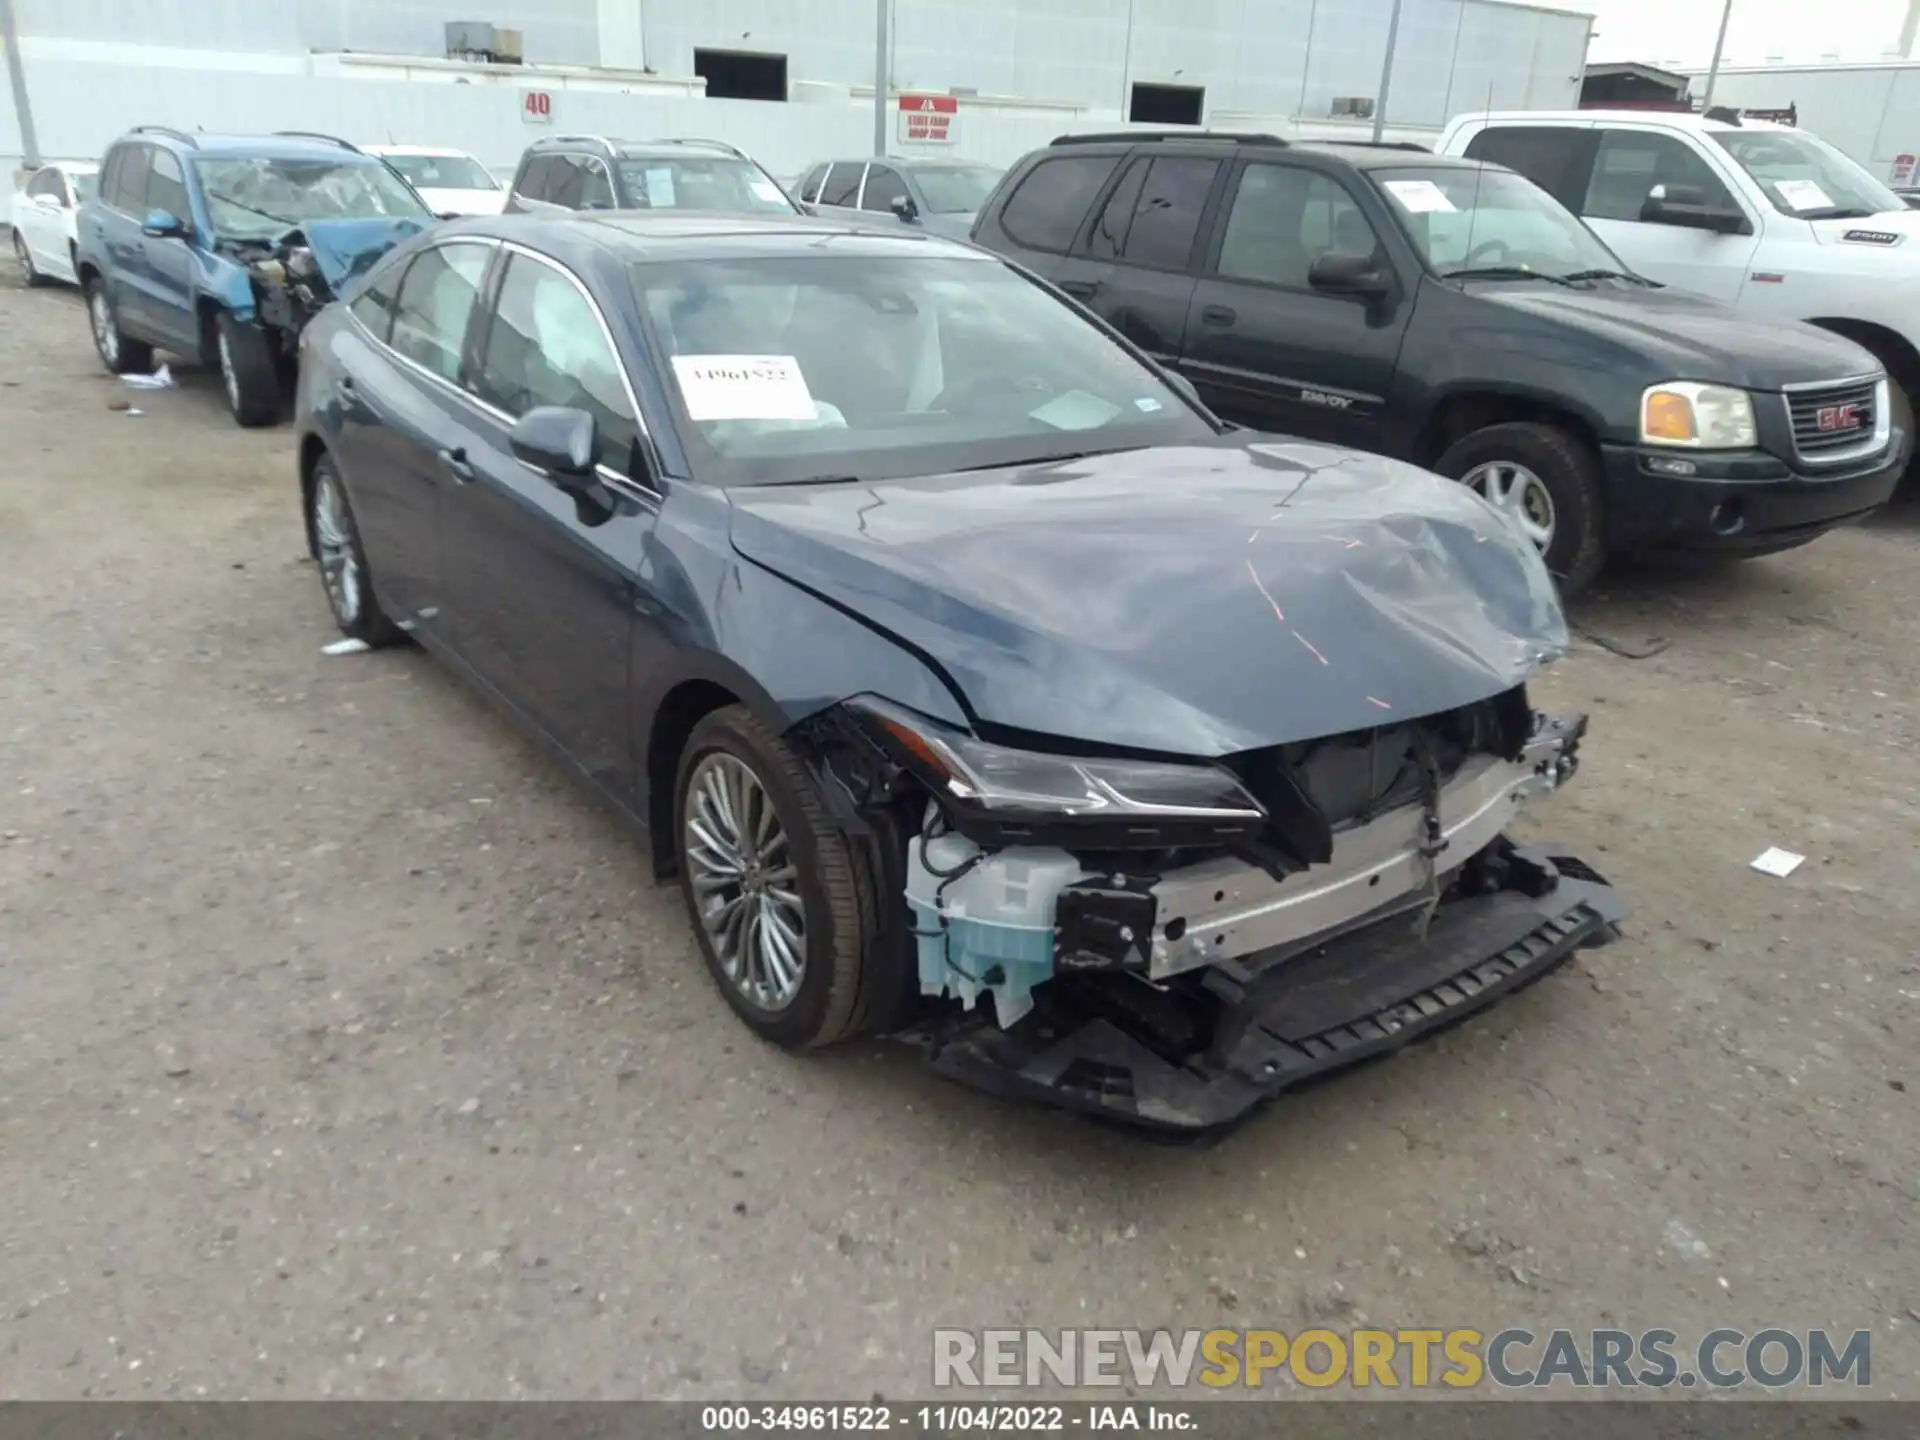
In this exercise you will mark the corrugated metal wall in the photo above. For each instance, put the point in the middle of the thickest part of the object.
(1871, 112)
(1254, 58)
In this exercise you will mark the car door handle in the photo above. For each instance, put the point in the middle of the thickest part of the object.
(1082, 288)
(454, 462)
(1216, 315)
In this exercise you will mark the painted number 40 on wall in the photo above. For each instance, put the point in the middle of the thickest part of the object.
(536, 107)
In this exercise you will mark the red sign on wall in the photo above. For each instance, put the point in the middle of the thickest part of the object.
(536, 108)
(1903, 168)
(928, 119)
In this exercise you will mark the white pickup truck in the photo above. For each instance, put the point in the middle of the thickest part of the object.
(1759, 215)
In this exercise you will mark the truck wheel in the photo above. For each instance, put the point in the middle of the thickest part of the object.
(1548, 482)
(783, 909)
(248, 372)
(120, 355)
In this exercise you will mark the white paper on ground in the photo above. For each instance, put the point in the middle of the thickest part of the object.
(744, 387)
(1803, 194)
(1777, 862)
(161, 379)
(345, 647)
(1421, 197)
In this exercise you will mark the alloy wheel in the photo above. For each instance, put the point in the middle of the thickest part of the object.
(228, 376)
(745, 881)
(106, 334)
(333, 540)
(1522, 494)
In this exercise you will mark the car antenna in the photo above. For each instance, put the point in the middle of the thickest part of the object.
(1473, 213)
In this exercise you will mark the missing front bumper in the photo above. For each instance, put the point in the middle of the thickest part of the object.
(1359, 996)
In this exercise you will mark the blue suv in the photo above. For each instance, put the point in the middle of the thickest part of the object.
(221, 248)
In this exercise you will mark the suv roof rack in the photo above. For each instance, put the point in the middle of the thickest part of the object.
(169, 132)
(318, 135)
(1725, 114)
(612, 149)
(1148, 137)
(734, 150)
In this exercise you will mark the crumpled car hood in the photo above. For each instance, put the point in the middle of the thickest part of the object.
(343, 249)
(1197, 601)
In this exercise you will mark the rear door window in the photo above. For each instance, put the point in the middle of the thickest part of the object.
(1046, 210)
(810, 187)
(435, 305)
(1108, 237)
(131, 180)
(539, 177)
(1556, 158)
(1166, 218)
(842, 185)
(596, 185)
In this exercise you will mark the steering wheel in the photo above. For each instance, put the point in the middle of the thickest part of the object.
(1486, 249)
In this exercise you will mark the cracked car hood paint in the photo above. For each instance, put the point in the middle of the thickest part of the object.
(343, 249)
(1197, 601)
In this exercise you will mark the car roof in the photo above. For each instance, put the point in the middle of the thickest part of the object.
(668, 149)
(669, 235)
(1666, 119)
(1361, 154)
(908, 162)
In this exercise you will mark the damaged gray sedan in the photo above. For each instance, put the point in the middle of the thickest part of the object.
(979, 686)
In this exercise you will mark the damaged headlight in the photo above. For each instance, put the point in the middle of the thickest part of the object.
(1024, 792)
(1700, 417)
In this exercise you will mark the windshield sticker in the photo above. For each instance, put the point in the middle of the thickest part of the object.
(765, 189)
(1803, 194)
(1421, 197)
(744, 387)
(1146, 403)
(660, 189)
(1075, 410)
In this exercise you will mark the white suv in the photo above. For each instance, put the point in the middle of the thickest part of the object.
(1761, 216)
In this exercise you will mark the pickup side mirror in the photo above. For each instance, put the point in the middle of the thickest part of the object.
(903, 206)
(1687, 206)
(561, 443)
(1345, 272)
(163, 225)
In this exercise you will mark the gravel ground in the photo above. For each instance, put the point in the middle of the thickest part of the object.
(347, 1049)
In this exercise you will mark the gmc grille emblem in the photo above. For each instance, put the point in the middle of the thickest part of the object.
(1837, 417)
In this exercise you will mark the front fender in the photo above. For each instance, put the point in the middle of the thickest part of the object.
(225, 283)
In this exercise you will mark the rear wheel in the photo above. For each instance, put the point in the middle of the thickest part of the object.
(1547, 482)
(343, 561)
(120, 355)
(784, 910)
(247, 371)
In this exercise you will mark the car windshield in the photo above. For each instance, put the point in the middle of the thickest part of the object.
(443, 172)
(702, 184)
(1804, 176)
(1472, 219)
(857, 366)
(261, 197)
(955, 189)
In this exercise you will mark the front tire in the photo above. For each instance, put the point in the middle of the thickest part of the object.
(785, 912)
(30, 275)
(120, 355)
(1548, 481)
(248, 373)
(335, 540)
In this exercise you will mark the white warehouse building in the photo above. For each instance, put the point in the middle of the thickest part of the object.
(789, 80)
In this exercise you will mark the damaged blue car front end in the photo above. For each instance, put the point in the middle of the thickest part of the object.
(284, 282)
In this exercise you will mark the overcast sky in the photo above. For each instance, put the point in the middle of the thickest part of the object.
(1681, 31)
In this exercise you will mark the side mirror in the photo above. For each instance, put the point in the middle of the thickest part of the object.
(904, 207)
(1687, 207)
(163, 225)
(1344, 272)
(561, 443)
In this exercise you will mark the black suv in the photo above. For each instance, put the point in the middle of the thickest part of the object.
(592, 172)
(1454, 314)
